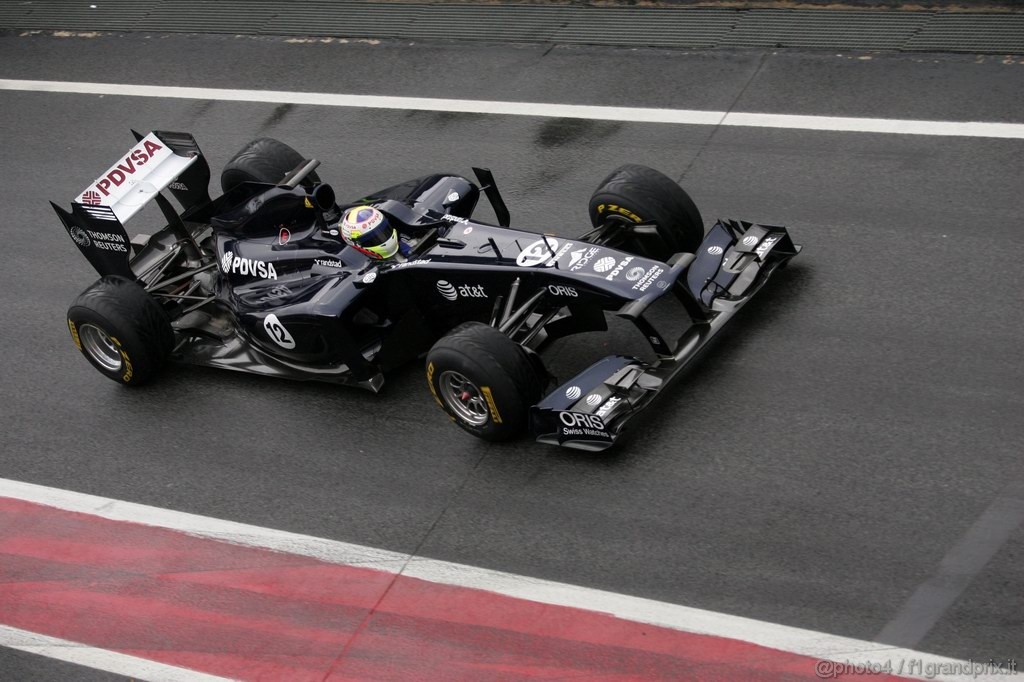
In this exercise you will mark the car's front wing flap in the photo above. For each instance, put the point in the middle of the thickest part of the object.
(589, 411)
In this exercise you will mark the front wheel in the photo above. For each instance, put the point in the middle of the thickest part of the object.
(121, 330)
(484, 381)
(634, 194)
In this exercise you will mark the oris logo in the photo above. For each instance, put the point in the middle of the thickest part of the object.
(577, 419)
(559, 290)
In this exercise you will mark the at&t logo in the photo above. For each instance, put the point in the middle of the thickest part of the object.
(451, 293)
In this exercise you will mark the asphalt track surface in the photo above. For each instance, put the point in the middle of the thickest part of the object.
(815, 470)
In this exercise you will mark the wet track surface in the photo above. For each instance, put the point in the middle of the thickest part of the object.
(814, 470)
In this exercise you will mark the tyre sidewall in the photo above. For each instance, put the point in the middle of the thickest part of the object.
(139, 328)
(135, 359)
(507, 409)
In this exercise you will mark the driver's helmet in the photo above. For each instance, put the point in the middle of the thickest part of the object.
(368, 230)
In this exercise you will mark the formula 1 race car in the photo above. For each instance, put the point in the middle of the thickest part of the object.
(259, 280)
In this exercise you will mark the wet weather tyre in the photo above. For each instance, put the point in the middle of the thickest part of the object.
(634, 194)
(263, 160)
(484, 381)
(121, 330)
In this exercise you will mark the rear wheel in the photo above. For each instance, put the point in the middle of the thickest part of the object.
(121, 330)
(634, 194)
(484, 381)
(263, 160)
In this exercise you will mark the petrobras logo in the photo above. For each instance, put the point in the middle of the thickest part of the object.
(232, 264)
(541, 252)
(447, 290)
(573, 392)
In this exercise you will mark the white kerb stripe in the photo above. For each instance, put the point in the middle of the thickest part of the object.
(631, 114)
(682, 618)
(100, 659)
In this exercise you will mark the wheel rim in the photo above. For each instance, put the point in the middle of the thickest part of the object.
(100, 347)
(463, 398)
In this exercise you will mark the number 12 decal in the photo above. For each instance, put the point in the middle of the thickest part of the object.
(277, 332)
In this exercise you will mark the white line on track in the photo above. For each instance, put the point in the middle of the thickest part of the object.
(101, 659)
(632, 114)
(685, 619)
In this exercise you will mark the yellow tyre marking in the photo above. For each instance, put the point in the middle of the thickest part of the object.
(430, 383)
(621, 210)
(74, 335)
(486, 390)
(127, 376)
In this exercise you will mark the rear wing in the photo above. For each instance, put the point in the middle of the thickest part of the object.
(159, 160)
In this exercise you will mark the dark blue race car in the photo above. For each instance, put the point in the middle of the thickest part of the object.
(261, 279)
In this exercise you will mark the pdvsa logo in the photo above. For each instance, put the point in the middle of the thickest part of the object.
(230, 263)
